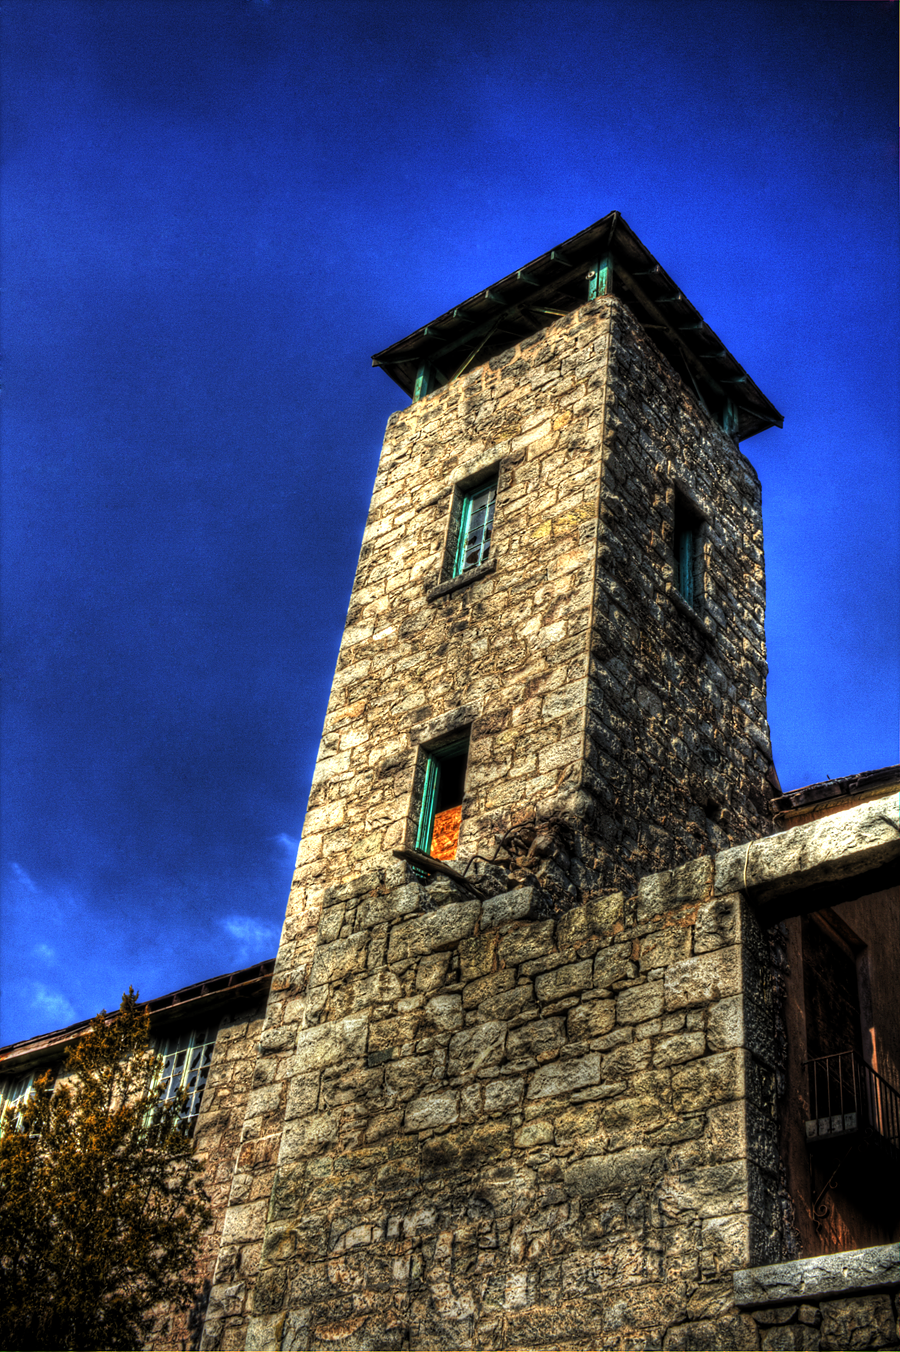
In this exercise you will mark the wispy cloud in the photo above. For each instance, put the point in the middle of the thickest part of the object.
(288, 844)
(252, 935)
(44, 952)
(22, 877)
(51, 1004)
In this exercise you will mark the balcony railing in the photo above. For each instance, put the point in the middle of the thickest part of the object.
(846, 1095)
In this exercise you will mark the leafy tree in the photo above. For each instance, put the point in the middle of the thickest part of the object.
(101, 1207)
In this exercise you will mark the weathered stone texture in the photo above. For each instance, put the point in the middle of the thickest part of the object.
(584, 685)
(234, 1079)
(836, 1302)
(511, 1140)
(815, 1278)
(586, 689)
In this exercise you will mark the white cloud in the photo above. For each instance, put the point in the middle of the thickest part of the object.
(51, 1004)
(44, 952)
(289, 845)
(22, 877)
(252, 934)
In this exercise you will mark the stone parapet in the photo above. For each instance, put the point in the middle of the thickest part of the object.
(834, 849)
(845, 1274)
(837, 1301)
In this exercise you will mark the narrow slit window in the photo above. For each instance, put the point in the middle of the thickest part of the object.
(476, 524)
(440, 811)
(687, 548)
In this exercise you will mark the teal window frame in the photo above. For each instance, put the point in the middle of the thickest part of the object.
(425, 824)
(185, 1060)
(472, 543)
(430, 786)
(730, 419)
(685, 545)
(689, 524)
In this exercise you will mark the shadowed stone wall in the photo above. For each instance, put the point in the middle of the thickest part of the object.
(217, 1139)
(502, 1131)
(677, 750)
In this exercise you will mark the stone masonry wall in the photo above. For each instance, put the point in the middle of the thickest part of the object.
(861, 1320)
(584, 684)
(502, 1131)
(586, 687)
(678, 748)
(838, 1301)
(217, 1138)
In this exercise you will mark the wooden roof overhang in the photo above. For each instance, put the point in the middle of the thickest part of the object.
(198, 1004)
(606, 258)
(875, 782)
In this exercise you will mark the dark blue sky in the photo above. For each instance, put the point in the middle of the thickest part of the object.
(214, 212)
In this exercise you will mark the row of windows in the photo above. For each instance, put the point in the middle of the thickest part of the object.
(472, 525)
(184, 1064)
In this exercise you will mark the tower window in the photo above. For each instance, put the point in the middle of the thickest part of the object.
(688, 525)
(471, 528)
(440, 806)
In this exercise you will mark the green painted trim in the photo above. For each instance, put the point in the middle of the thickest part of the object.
(465, 517)
(423, 381)
(729, 418)
(686, 566)
(600, 278)
(426, 809)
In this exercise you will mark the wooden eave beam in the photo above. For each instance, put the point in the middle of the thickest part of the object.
(690, 357)
(415, 356)
(528, 302)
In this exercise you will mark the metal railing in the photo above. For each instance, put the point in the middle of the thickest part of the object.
(846, 1095)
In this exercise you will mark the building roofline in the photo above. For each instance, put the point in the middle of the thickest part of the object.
(243, 984)
(844, 787)
(522, 303)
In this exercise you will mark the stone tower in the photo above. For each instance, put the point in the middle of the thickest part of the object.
(599, 651)
(552, 679)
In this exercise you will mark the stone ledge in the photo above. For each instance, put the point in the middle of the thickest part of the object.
(687, 610)
(804, 1279)
(856, 841)
(464, 579)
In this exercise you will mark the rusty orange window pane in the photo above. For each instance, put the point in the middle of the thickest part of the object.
(440, 806)
(445, 837)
